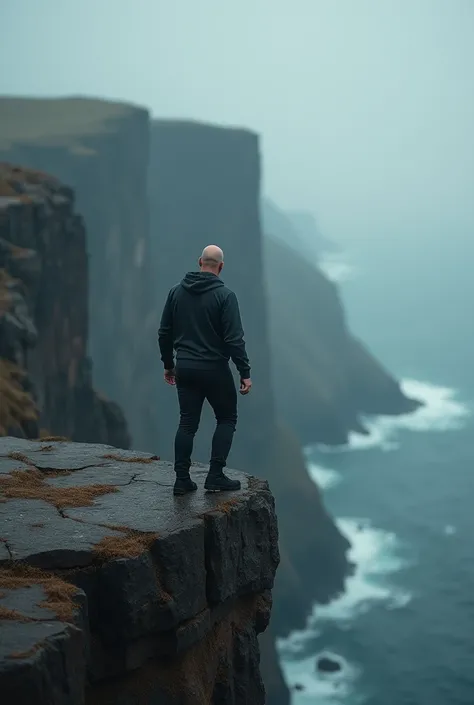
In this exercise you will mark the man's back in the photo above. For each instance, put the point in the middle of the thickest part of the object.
(201, 321)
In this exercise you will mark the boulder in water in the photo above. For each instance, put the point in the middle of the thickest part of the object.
(328, 665)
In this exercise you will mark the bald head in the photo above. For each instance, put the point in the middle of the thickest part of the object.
(212, 259)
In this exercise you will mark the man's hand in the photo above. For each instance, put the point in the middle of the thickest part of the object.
(170, 377)
(245, 385)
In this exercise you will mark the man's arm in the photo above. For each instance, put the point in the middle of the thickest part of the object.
(165, 334)
(234, 335)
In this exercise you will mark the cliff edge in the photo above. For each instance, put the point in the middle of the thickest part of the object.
(112, 591)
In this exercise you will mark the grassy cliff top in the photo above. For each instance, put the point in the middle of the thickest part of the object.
(14, 178)
(191, 125)
(57, 121)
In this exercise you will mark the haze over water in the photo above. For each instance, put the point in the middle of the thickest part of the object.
(404, 497)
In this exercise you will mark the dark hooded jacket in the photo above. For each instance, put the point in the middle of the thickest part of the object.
(201, 322)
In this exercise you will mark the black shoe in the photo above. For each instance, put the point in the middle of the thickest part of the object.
(221, 483)
(183, 485)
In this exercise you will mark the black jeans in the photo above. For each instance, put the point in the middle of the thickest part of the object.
(194, 386)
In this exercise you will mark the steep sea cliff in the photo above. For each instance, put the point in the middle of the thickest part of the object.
(203, 185)
(100, 149)
(325, 379)
(45, 372)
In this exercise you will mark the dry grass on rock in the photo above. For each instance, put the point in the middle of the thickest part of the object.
(30, 484)
(59, 594)
(45, 436)
(13, 615)
(26, 654)
(130, 545)
(225, 507)
(21, 457)
(11, 176)
(133, 459)
(5, 296)
(17, 406)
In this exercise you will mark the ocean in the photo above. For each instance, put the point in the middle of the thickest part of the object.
(403, 631)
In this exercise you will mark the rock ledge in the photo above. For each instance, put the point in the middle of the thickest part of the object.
(112, 591)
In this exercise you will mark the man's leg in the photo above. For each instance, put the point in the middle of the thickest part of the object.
(222, 396)
(191, 398)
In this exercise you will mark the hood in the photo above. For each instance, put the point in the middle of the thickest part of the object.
(200, 282)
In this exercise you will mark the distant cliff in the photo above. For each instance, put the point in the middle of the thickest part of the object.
(325, 380)
(100, 149)
(101, 604)
(296, 228)
(45, 374)
(204, 183)
(204, 188)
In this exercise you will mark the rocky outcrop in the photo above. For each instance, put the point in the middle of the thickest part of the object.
(111, 591)
(45, 373)
(328, 665)
(327, 381)
(100, 149)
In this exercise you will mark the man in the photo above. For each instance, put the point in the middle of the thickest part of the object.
(201, 322)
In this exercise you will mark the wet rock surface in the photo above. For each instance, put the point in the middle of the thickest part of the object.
(168, 593)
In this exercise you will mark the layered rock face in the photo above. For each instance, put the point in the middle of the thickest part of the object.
(326, 381)
(100, 149)
(45, 373)
(114, 593)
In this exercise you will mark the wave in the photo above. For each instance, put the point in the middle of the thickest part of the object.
(335, 266)
(325, 478)
(376, 555)
(442, 411)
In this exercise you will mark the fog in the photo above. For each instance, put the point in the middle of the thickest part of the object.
(365, 107)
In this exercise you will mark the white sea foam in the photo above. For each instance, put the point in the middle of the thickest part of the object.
(449, 530)
(325, 478)
(442, 411)
(322, 688)
(336, 267)
(376, 554)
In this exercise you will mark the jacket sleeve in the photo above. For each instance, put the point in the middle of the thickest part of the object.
(234, 335)
(165, 334)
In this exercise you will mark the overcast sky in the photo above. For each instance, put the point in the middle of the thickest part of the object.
(365, 107)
